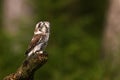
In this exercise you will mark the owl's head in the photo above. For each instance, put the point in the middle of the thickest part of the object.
(42, 27)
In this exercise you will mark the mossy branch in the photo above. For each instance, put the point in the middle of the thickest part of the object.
(29, 66)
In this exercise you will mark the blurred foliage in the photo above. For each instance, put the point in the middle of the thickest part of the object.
(74, 45)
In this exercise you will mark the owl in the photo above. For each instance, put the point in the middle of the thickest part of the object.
(40, 38)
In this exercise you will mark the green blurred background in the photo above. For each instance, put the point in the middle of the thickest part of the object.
(75, 41)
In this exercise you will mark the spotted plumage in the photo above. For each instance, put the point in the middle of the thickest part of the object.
(40, 38)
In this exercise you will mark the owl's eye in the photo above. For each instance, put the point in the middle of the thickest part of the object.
(39, 29)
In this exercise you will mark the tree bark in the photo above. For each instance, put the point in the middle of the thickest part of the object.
(27, 69)
(111, 42)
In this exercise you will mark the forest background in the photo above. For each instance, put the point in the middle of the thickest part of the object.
(79, 47)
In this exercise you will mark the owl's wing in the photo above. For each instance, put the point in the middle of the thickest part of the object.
(33, 43)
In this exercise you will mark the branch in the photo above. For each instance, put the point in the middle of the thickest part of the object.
(27, 69)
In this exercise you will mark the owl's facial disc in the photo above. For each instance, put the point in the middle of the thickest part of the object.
(42, 27)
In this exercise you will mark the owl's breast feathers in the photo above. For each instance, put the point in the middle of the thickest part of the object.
(38, 38)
